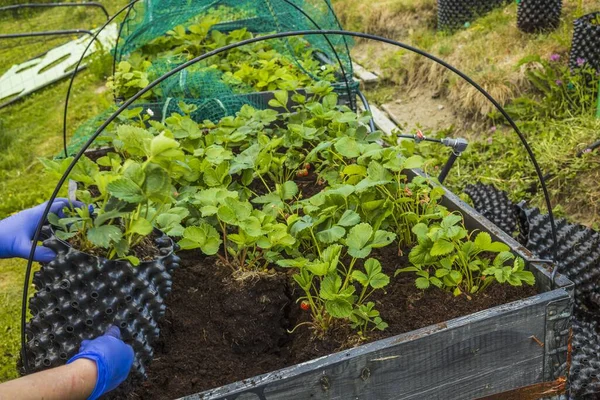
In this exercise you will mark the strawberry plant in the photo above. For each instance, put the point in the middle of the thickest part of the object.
(256, 67)
(231, 189)
(330, 277)
(449, 257)
(129, 191)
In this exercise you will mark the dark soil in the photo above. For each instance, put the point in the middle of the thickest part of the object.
(145, 250)
(219, 329)
(308, 185)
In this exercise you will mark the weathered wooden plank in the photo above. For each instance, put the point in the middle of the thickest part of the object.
(365, 76)
(382, 121)
(465, 358)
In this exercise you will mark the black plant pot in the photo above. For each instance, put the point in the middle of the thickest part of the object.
(586, 42)
(78, 296)
(538, 15)
(453, 14)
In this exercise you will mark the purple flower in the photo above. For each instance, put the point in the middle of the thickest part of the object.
(490, 140)
(558, 82)
(555, 57)
(587, 150)
(580, 61)
(493, 129)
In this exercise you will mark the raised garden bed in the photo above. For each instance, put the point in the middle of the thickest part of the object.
(511, 338)
(303, 218)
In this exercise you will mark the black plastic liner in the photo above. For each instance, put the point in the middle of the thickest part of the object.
(538, 15)
(78, 296)
(578, 257)
(586, 42)
(585, 363)
(453, 14)
(495, 205)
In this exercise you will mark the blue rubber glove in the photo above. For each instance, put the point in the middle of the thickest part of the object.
(113, 358)
(17, 231)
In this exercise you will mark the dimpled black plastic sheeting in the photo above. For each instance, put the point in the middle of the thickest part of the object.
(586, 41)
(79, 296)
(495, 205)
(578, 257)
(577, 252)
(453, 14)
(538, 15)
(584, 381)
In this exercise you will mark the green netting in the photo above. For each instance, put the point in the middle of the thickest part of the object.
(153, 19)
(159, 35)
(211, 109)
(203, 109)
(162, 34)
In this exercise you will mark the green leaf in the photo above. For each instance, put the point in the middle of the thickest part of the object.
(377, 279)
(450, 220)
(251, 226)
(135, 172)
(203, 236)
(318, 268)
(502, 258)
(303, 279)
(382, 239)
(359, 236)
(125, 189)
(441, 272)
(161, 144)
(419, 255)
(349, 218)
(330, 287)
(141, 226)
(157, 185)
(354, 169)
(331, 235)
(104, 216)
(360, 277)
(282, 97)
(339, 308)
(420, 230)
(347, 147)
(288, 190)
(103, 236)
(407, 269)
(133, 260)
(295, 263)
(455, 276)
(422, 283)
(441, 247)
(483, 240)
(413, 162)
(497, 247)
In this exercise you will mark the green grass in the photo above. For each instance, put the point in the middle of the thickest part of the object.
(29, 129)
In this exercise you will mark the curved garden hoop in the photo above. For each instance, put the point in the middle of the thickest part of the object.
(181, 67)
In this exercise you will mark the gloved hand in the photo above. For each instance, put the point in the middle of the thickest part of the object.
(17, 231)
(113, 359)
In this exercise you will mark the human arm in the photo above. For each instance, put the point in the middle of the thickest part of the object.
(99, 367)
(70, 382)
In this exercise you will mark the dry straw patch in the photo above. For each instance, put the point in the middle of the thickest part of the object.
(488, 50)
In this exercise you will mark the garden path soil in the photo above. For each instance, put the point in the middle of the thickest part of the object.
(219, 329)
